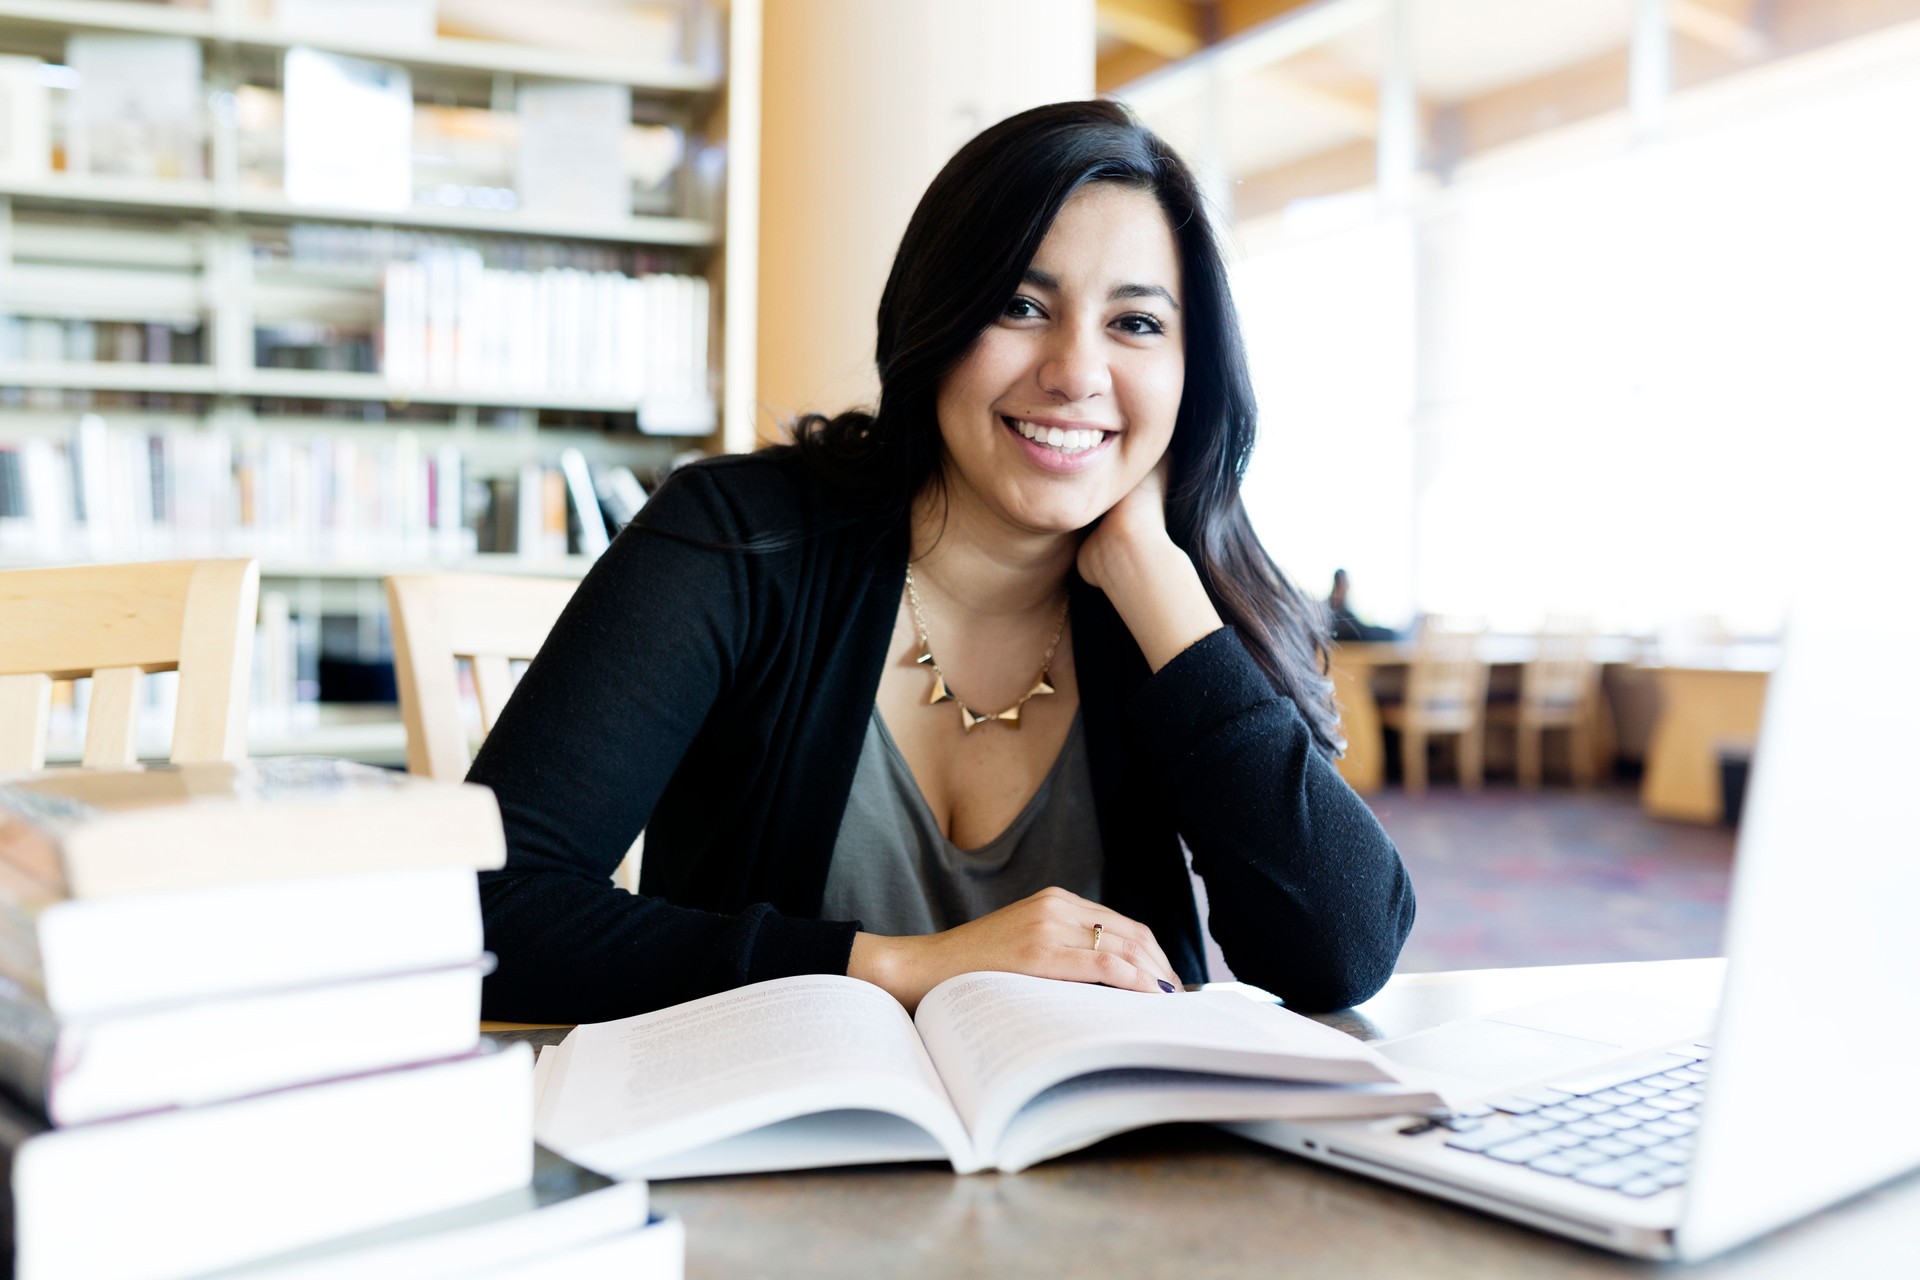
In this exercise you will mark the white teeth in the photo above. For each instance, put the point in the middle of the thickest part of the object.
(1058, 438)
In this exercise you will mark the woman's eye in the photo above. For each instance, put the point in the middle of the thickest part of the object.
(1140, 323)
(1022, 309)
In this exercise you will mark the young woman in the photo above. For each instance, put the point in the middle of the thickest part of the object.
(943, 687)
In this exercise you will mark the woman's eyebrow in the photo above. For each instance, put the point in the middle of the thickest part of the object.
(1047, 280)
(1120, 292)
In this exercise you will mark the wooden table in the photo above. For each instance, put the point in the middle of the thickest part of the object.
(1351, 666)
(1194, 1203)
(1702, 707)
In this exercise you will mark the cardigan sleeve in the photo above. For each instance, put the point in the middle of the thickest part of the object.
(580, 755)
(1307, 895)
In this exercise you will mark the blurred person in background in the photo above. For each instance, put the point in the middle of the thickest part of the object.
(1345, 624)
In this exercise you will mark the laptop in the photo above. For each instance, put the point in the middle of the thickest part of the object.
(1662, 1131)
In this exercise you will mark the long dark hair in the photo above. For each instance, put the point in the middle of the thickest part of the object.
(969, 243)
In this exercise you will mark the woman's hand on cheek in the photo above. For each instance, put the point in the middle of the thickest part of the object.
(1135, 527)
(1149, 579)
(1048, 935)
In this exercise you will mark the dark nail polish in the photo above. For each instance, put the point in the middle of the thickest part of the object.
(1165, 985)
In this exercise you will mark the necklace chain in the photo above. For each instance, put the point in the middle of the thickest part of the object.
(968, 716)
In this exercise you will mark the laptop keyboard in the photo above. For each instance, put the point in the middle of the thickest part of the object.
(1627, 1129)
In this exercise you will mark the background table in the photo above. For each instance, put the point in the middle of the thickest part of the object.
(1193, 1203)
(1702, 710)
(1351, 666)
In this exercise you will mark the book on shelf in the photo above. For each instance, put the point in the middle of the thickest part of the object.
(994, 1071)
(349, 131)
(135, 111)
(587, 515)
(463, 157)
(676, 399)
(541, 515)
(450, 322)
(621, 495)
(126, 1061)
(180, 1192)
(540, 528)
(51, 339)
(565, 1207)
(397, 21)
(138, 492)
(656, 159)
(26, 134)
(25, 521)
(644, 32)
(315, 347)
(572, 155)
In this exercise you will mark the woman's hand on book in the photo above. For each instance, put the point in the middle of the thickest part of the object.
(1048, 935)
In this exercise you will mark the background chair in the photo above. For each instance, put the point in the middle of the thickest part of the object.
(490, 621)
(1446, 694)
(1559, 689)
(115, 622)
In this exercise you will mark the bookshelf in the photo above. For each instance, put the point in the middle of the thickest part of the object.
(202, 197)
(340, 382)
(241, 25)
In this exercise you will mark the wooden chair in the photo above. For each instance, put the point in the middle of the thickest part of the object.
(1559, 689)
(114, 622)
(1446, 694)
(490, 621)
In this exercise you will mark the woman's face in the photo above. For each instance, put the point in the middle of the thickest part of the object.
(1068, 399)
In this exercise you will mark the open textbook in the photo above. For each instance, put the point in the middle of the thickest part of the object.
(996, 1071)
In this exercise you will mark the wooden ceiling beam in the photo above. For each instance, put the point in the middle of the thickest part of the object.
(1234, 16)
(1715, 28)
(1151, 34)
(1338, 169)
(1168, 28)
(1124, 65)
(1356, 111)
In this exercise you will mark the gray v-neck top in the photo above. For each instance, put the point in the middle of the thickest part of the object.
(896, 872)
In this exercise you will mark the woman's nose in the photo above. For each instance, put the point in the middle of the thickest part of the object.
(1074, 366)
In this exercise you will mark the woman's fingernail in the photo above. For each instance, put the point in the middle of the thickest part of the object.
(1165, 985)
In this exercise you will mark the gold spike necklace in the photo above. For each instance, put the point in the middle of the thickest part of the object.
(968, 716)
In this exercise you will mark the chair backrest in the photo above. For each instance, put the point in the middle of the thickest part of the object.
(441, 618)
(1562, 672)
(1447, 671)
(114, 622)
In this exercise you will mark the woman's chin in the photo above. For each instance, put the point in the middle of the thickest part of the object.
(1046, 512)
(1075, 522)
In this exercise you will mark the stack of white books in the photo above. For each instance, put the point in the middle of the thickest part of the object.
(239, 1029)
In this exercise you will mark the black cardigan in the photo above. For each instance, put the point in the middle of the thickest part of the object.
(718, 697)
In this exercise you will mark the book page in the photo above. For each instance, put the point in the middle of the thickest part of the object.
(999, 1039)
(1079, 1112)
(622, 1094)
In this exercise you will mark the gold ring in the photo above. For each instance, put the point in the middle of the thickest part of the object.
(1098, 930)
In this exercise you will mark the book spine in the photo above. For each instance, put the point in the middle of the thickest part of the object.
(28, 1035)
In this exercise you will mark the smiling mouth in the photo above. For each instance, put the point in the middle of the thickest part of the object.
(1062, 440)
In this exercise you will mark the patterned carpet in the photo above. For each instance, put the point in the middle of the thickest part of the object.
(1507, 878)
